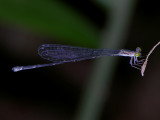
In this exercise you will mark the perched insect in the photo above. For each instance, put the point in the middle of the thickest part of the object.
(59, 54)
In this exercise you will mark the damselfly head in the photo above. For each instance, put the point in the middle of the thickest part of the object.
(138, 52)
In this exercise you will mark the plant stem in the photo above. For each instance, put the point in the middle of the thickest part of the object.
(113, 36)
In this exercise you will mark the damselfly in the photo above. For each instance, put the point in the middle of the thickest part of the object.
(59, 54)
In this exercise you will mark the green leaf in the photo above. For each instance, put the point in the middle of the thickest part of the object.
(50, 17)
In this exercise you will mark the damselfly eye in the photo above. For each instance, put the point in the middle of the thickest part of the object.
(138, 49)
(137, 54)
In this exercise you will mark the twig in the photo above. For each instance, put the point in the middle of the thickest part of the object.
(146, 60)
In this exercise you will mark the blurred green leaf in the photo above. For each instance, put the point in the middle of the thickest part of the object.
(105, 3)
(51, 17)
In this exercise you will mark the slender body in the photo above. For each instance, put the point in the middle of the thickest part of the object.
(59, 54)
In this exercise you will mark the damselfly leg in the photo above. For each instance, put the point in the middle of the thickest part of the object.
(136, 63)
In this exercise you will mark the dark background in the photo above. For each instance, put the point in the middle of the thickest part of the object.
(55, 92)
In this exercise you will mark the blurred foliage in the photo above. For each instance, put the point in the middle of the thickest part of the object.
(50, 17)
(105, 3)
